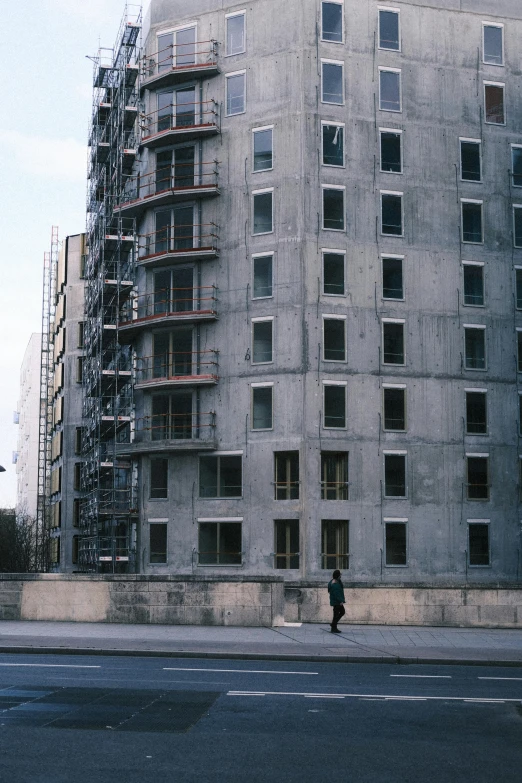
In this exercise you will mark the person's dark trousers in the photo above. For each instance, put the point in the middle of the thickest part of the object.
(338, 612)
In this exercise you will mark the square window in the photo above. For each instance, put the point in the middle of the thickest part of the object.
(476, 413)
(157, 543)
(396, 549)
(392, 278)
(159, 477)
(235, 93)
(263, 149)
(391, 153)
(392, 342)
(286, 475)
(333, 144)
(474, 348)
(172, 417)
(263, 271)
(286, 543)
(493, 44)
(478, 541)
(334, 544)
(334, 406)
(494, 104)
(394, 405)
(332, 22)
(391, 214)
(472, 222)
(235, 34)
(332, 83)
(220, 477)
(333, 273)
(263, 205)
(389, 90)
(470, 161)
(262, 340)
(517, 226)
(519, 350)
(478, 478)
(262, 407)
(389, 36)
(333, 209)
(395, 475)
(220, 543)
(334, 339)
(516, 166)
(473, 285)
(334, 475)
(518, 288)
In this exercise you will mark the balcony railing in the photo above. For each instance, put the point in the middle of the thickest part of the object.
(177, 368)
(181, 120)
(174, 303)
(177, 62)
(176, 426)
(178, 240)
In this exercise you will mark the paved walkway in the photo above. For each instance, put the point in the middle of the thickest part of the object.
(357, 643)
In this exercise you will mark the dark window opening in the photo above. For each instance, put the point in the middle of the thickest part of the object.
(334, 475)
(390, 90)
(158, 543)
(262, 277)
(393, 343)
(286, 535)
(493, 45)
(475, 349)
(518, 286)
(332, 85)
(334, 541)
(262, 414)
(286, 475)
(392, 278)
(220, 477)
(478, 533)
(394, 409)
(478, 478)
(262, 337)
(333, 145)
(396, 544)
(389, 30)
(391, 214)
(263, 152)
(473, 285)
(263, 221)
(517, 226)
(519, 351)
(334, 406)
(332, 22)
(391, 158)
(333, 209)
(334, 348)
(494, 100)
(159, 477)
(395, 475)
(471, 222)
(220, 543)
(516, 164)
(470, 161)
(476, 413)
(333, 274)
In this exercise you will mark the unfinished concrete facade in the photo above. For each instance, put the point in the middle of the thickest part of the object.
(325, 307)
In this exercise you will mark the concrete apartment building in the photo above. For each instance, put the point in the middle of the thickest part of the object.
(27, 417)
(304, 293)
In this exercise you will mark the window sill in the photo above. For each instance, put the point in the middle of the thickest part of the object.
(397, 236)
(393, 299)
(389, 49)
(395, 173)
(396, 566)
(394, 111)
(236, 113)
(257, 298)
(262, 171)
(333, 165)
(235, 497)
(263, 233)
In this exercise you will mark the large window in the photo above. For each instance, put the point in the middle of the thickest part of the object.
(263, 276)
(391, 151)
(235, 24)
(235, 93)
(334, 475)
(172, 355)
(334, 544)
(519, 350)
(172, 416)
(493, 41)
(159, 477)
(174, 169)
(176, 109)
(220, 476)
(334, 273)
(263, 212)
(476, 412)
(393, 342)
(332, 82)
(157, 543)
(394, 408)
(262, 406)
(478, 543)
(333, 208)
(332, 21)
(333, 144)
(518, 287)
(474, 347)
(392, 277)
(477, 485)
(286, 543)
(220, 543)
(516, 165)
(263, 140)
(334, 405)
(395, 475)
(396, 542)
(174, 231)
(262, 340)
(473, 284)
(389, 29)
(391, 214)
(334, 339)
(472, 230)
(286, 475)
(173, 292)
(517, 225)
(470, 160)
(176, 50)
(494, 103)
(390, 98)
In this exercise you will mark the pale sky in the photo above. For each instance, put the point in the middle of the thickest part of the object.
(46, 87)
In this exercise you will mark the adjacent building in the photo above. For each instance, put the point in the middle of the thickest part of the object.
(27, 418)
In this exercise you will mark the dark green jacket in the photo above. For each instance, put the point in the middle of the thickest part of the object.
(336, 592)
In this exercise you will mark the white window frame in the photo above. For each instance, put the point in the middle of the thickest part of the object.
(479, 522)
(256, 320)
(229, 76)
(393, 321)
(333, 2)
(514, 147)
(263, 255)
(476, 369)
(230, 16)
(474, 263)
(333, 187)
(471, 201)
(392, 193)
(383, 69)
(335, 383)
(395, 453)
(396, 132)
(396, 257)
(515, 207)
(337, 125)
(501, 27)
(400, 521)
(259, 386)
(260, 193)
(394, 11)
(337, 252)
(403, 387)
(495, 84)
(335, 317)
(259, 130)
(326, 61)
(471, 141)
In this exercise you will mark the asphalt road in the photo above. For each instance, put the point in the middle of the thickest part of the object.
(66, 719)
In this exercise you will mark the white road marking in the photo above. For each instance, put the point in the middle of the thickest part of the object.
(238, 693)
(425, 676)
(322, 696)
(235, 671)
(53, 665)
(513, 679)
(485, 701)
(372, 696)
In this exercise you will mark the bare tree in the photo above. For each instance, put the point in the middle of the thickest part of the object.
(18, 542)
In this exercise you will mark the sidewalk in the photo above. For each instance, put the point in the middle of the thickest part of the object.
(357, 643)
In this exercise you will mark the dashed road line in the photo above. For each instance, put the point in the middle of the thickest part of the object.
(53, 665)
(424, 676)
(375, 696)
(234, 671)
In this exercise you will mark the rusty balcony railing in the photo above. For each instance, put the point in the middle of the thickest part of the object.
(179, 239)
(177, 368)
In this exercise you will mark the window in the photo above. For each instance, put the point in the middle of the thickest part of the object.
(286, 475)
(392, 278)
(174, 231)
(518, 287)
(332, 82)
(220, 543)
(475, 347)
(262, 338)
(334, 540)
(493, 40)
(172, 416)
(79, 369)
(157, 543)
(389, 36)
(396, 545)
(393, 342)
(391, 214)
(221, 476)
(263, 275)
(77, 505)
(333, 208)
(394, 408)
(81, 332)
(78, 440)
(172, 355)
(77, 478)
(470, 160)
(334, 339)
(391, 151)
(476, 412)
(334, 475)
(520, 413)
(477, 477)
(333, 273)
(389, 90)
(494, 104)
(236, 93)
(516, 165)
(263, 148)
(286, 543)
(473, 284)
(333, 144)
(74, 555)
(472, 222)
(332, 21)
(262, 209)
(334, 405)
(176, 49)
(235, 24)
(173, 292)
(478, 543)
(395, 475)
(262, 407)
(517, 225)
(159, 478)
(176, 109)
(519, 350)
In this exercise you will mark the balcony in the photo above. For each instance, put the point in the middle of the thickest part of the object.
(167, 185)
(179, 368)
(178, 244)
(179, 122)
(171, 432)
(166, 307)
(178, 62)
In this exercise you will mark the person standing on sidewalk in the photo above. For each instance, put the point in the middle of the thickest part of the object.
(336, 591)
